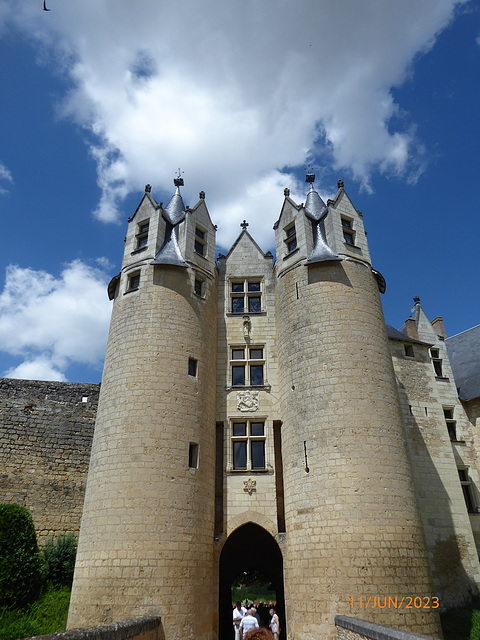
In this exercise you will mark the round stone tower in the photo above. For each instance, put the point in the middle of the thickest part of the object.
(353, 528)
(146, 538)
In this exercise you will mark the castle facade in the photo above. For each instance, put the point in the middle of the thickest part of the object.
(259, 414)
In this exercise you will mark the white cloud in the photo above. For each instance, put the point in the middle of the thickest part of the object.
(37, 369)
(54, 322)
(5, 176)
(234, 92)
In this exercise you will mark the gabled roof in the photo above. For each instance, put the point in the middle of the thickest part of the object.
(149, 199)
(244, 232)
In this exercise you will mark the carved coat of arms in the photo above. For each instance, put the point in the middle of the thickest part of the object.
(247, 400)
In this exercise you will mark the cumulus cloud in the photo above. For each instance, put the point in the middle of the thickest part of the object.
(237, 93)
(51, 322)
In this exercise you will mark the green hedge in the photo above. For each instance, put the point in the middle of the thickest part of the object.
(22, 568)
(59, 554)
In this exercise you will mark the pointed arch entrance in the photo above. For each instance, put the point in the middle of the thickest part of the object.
(248, 547)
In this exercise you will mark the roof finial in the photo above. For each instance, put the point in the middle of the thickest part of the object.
(340, 184)
(310, 177)
(148, 188)
(244, 225)
(178, 180)
(416, 300)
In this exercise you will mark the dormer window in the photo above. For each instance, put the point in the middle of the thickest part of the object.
(348, 232)
(142, 235)
(291, 238)
(200, 241)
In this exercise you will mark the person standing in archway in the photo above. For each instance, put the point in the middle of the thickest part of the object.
(274, 624)
(248, 622)
(238, 614)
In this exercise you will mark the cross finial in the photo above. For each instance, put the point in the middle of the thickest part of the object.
(244, 225)
(178, 180)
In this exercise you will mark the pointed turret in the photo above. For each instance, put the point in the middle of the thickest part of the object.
(316, 210)
(174, 214)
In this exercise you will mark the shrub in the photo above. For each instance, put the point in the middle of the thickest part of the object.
(22, 568)
(60, 555)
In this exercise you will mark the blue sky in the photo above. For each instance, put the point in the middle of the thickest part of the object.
(102, 97)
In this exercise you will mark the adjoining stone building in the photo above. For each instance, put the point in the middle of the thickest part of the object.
(259, 414)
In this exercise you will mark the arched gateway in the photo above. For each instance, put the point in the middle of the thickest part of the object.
(248, 547)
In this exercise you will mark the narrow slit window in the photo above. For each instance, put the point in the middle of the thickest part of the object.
(192, 367)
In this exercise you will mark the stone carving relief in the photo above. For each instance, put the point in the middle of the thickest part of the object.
(247, 400)
(249, 486)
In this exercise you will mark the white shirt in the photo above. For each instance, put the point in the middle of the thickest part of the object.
(239, 614)
(248, 622)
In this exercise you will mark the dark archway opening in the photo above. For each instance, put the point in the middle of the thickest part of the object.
(249, 548)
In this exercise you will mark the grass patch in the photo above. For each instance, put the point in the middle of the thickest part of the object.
(462, 623)
(47, 615)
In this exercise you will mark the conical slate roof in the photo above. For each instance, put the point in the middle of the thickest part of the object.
(315, 208)
(174, 212)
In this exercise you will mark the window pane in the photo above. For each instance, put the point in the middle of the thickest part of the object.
(254, 305)
(291, 232)
(237, 287)
(239, 428)
(239, 455)
(238, 354)
(257, 428)
(200, 233)
(258, 454)
(199, 248)
(256, 354)
(292, 245)
(254, 286)
(256, 374)
(198, 287)
(144, 227)
(346, 223)
(348, 237)
(142, 242)
(237, 305)
(238, 376)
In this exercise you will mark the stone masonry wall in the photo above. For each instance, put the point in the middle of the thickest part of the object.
(46, 430)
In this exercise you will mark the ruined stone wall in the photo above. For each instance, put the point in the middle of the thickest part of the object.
(46, 430)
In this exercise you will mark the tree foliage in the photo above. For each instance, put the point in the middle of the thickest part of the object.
(22, 568)
(59, 554)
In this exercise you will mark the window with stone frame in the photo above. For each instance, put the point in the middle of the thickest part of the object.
(200, 244)
(248, 445)
(451, 423)
(437, 362)
(246, 295)
(247, 366)
(467, 489)
(141, 238)
(133, 281)
(290, 238)
(348, 231)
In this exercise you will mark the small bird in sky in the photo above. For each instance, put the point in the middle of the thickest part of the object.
(45, 6)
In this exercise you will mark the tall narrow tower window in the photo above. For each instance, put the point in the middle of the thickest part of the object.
(467, 490)
(193, 455)
(192, 367)
(348, 232)
(200, 241)
(450, 422)
(291, 238)
(437, 362)
(142, 235)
